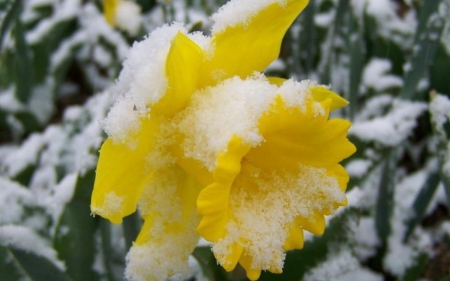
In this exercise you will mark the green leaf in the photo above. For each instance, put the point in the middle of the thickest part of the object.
(23, 64)
(414, 272)
(439, 71)
(11, 13)
(355, 43)
(422, 201)
(208, 264)
(35, 267)
(113, 264)
(307, 40)
(75, 233)
(429, 32)
(385, 198)
(131, 228)
(8, 268)
(338, 28)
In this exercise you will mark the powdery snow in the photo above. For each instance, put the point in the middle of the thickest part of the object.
(236, 12)
(341, 266)
(25, 239)
(375, 76)
(393, 128)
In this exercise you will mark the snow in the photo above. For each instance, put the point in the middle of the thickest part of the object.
(13, 200)
(40, 103)
(235, 12)
(128, 17)
(67, 9)
(63, 193)
(341, 266)
(9, 102)
(141, 83)
(375, 76)
(390, 24)
(393, 128)
(440, 112)
(23, 238)
(358, 168)
(24, 156)
(204, 118)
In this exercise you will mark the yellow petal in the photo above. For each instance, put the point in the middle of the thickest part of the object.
(293, 136)
(182, 67)
(314, 224)
(109, 9)
(121, 174)
(251, 45)
(233, 258)
(276, 80)
(295, 238)
(246, 262)
(321, 93)
(191, 166)
(212, 202)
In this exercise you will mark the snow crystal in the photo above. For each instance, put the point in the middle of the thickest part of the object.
(393, 128)
(236, 12)
(242, 102)
(25, 239)
(263, 214)
(141, 83)
(171, 236)
(375, 76)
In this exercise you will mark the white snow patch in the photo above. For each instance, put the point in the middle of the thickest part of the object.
(393, 128)
(25, 239)
(375, 76)
(128, 17)
(358, 168)
(236, 12)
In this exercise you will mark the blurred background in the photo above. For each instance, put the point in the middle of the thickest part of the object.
(389, 58)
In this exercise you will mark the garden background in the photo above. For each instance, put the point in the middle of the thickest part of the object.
(389, 58)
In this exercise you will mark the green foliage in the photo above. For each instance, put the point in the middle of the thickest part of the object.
(57, 66)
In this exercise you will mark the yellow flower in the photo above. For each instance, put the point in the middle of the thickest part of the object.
(208, 146)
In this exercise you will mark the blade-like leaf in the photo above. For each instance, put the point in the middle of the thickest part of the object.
(385, 199)
(10, 14)
(422, 201)
(23, 64)
(35, 267)
(74, 239)
(430, 29)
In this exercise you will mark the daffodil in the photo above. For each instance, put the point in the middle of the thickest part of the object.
(206, 145)
(124, 14)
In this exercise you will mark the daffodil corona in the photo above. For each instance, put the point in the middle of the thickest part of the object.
(206, 145)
